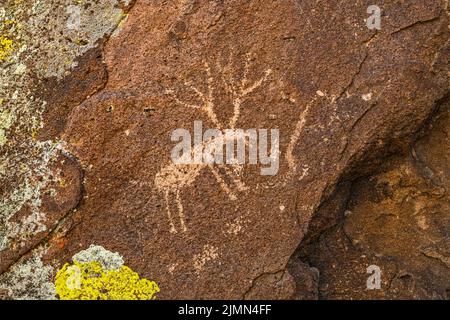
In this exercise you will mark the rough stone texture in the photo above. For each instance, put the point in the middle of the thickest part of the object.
(341, 95)
(41, 182)
(398, 219)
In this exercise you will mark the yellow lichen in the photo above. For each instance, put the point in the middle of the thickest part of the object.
(6, 47)
(62, 183)
(34, 134)
(90, 281)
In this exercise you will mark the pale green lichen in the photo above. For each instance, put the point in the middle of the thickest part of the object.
(36, 175)
(6, 119)
(73, 29)
(29, 279)
(109, 260)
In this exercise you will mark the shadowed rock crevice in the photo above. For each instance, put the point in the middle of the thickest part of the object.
(398, 218)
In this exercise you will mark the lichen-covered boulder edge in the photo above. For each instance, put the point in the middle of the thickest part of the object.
(338, 92)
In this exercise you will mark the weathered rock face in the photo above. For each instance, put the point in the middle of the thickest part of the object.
(397, 219)
(338, 93)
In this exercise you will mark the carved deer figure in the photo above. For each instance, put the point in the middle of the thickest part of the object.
(172, 178)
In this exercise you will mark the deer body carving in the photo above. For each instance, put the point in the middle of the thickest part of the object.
(172, 178)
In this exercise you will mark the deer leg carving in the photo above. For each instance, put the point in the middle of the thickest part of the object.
(180, 210)
(222, 183)
(169, 214)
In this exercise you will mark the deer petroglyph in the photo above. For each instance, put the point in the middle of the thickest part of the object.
(174, 177)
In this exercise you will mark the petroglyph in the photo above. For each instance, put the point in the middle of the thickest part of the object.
(295, 136)
(209, 253)
(236, 226)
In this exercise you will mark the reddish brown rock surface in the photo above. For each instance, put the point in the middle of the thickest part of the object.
(397, 219)
(343, 97)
